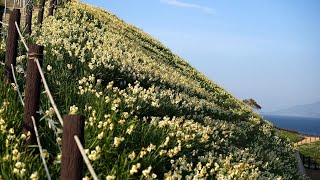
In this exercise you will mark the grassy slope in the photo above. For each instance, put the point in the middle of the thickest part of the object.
(312, 150)
(142, 104)
(290, 136)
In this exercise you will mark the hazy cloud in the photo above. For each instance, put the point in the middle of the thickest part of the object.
(177, 3)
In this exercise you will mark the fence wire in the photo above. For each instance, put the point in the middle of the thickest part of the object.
(40, 148)
(17, 85)
(48, 92)
(85, 158)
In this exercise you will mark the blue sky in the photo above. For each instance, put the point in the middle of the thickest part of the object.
(267, 50)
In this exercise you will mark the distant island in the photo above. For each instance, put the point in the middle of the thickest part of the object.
(307, 110)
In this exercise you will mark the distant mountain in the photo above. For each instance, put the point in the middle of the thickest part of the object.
(307, 110)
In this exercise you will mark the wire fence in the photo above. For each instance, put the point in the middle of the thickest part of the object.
(310, 163)
(73, 131)
(308, 140)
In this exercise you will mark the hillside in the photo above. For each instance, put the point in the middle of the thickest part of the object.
(149, 114)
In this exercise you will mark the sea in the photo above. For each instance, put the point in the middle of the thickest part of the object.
(304, 125)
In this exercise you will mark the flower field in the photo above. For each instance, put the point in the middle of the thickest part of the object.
(149, 114)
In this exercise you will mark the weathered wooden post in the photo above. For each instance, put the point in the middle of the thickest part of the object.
(41, 11)
(32, 92)
(72, 162)
(29, 8)
(1, 15)
(12, 44)
(51, 8)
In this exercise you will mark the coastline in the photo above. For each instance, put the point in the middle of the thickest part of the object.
(297, 125)
(296, 132)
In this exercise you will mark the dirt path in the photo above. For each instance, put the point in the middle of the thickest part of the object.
(313, 174)
(307, 140)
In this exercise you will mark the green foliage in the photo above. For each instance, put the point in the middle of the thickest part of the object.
(252, 103)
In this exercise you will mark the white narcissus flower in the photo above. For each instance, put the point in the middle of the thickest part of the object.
(23, 136)
(22, 172)
(151, 147)
(147, 171)
(18, 165)
(100, 135)
(154, 176)
(45, 153)
(86, 178)
(59, 139)
(111, 177)
(11, 131)
(69, 66)
(117, 141)
(132, 155)
(73, 109)
(130, 129)
(34, 176)
(16, 171)
(133, 169)
(94, 155)
(15, 152)
(49, 68)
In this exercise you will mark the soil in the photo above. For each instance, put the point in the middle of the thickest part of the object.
(313, 174)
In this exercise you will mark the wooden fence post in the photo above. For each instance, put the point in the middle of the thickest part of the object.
(12, 44)
(32, 92)
(72, 162)
(29, 17)
(41, 11)
(51, 8)
(1, 15)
